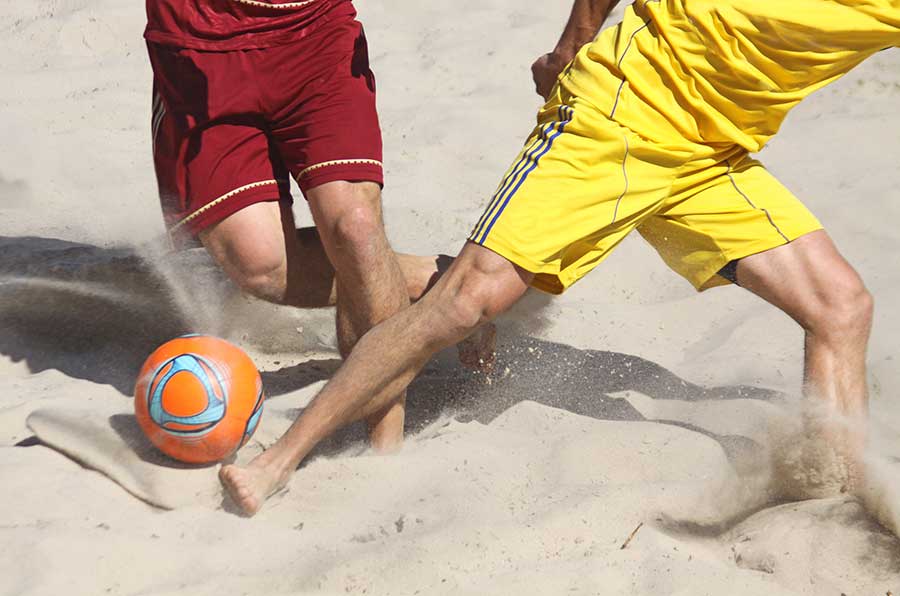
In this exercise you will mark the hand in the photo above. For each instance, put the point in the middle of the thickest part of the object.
(545, 71)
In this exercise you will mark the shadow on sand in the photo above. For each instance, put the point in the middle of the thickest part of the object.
(95, 313)
(92, 313)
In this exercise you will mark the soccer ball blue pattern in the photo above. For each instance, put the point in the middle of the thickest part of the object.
(214, 385)
(255, 416)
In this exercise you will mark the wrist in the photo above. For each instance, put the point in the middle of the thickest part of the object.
(562, 55)
(572, 41)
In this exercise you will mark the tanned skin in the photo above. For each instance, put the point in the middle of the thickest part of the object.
(807, 279)
(260, 249)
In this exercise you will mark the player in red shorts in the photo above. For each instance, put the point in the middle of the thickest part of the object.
(247, 93)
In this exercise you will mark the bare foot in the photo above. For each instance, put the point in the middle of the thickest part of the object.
(249, 487)
(477, 352)
(421, 272)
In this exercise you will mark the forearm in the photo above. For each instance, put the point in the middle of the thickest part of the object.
(584, 22)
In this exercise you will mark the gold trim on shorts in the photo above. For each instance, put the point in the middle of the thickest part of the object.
(338, 162)
(285, 5)
(221, 199)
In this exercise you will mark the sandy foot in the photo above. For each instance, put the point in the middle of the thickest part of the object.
(477, 351)
(250, 486)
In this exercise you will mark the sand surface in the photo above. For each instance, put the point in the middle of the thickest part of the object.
(630, 403)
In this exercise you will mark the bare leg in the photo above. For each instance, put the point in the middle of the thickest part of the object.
(810, 281)
(477, 287)
(263, 254)
(266, 257)
(370, 284)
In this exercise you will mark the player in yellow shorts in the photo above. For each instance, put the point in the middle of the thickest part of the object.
(650, 128)
(584, 181)
(646, 127)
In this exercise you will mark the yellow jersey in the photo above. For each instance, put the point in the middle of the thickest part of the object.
(725, 71)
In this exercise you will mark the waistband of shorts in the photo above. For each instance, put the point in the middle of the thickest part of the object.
(334, 13)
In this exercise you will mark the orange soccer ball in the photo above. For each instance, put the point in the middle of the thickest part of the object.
(198, 398)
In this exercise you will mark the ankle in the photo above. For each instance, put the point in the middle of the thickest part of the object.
(272, 463)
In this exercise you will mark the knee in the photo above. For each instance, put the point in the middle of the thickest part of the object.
(477, 299)
(263, 276)
(357, 229)
(844, 308)
(251, 247)
(466, 308)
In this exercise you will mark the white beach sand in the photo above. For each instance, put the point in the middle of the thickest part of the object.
(637, 403)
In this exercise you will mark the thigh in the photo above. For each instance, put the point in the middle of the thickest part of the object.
(257, 235)
(211, 154)
(723, 212)
(261, 241)
(801, 278)
(321, 104)
(580, 185)
(231, 170)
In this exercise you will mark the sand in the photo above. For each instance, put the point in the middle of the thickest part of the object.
(630, 403)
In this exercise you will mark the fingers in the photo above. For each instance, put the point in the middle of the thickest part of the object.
(543, 75)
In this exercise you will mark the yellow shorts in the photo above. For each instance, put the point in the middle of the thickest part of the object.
(583, 182)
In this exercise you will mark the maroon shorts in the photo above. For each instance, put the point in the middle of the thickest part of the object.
(230, 127)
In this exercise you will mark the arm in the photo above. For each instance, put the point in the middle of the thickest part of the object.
(584, 23)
